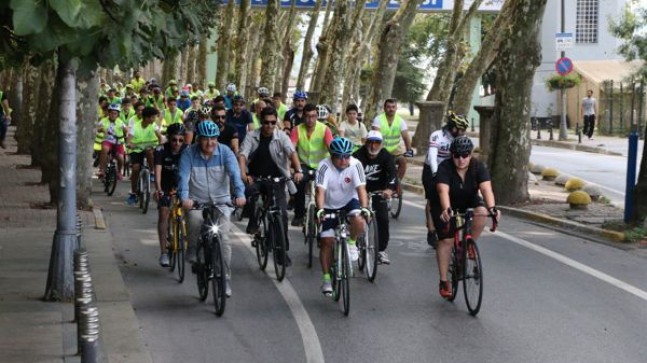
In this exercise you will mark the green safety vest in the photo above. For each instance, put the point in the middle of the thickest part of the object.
(170, 119)
(281, 111)
(143, 137)
(391, 134)
(257, 122)
(126, 117)
(312, 151)
(213, 94)
(118, 129)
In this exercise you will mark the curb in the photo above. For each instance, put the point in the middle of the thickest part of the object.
(99, 221)
(544, 219)
(576, 147)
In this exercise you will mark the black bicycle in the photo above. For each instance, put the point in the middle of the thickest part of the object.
(465, 264)
(110, 175)
(368, 243)
(271, 236)
(342, 269)
(209, 265)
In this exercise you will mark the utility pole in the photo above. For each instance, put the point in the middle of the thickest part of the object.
(563, 132)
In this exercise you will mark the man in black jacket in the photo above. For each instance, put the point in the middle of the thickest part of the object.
(379, 168)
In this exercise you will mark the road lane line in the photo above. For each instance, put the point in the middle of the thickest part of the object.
(311, 344)
(566, 261)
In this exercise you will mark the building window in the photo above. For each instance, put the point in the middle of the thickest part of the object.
(586, 26)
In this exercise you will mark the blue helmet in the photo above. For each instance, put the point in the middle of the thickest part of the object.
(341, 145)
(208, 128)
(300, 94)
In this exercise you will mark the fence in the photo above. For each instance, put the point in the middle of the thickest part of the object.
(621, 105)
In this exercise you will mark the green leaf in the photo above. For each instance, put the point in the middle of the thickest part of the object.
(29, 16)
(68, 10)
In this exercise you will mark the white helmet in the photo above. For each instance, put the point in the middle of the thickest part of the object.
(322, 112)
(231, 87)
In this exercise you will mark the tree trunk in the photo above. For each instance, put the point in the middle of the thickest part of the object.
(15, 96)
(307, 46)
(86, 118)
(42, 133)
(25, 129)
(520, 55)
(183, 66)
(287, 52)
(190, 68)
(326, 20)
(201, 62)
(270, 43)
(50, 159)
(60, 278)
(388, 56)
(224, 46)
(241, 46)
(252, 55)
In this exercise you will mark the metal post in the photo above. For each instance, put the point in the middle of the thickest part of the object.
(79, 231)
(563, 134)
(550, 129)
(90, 334)
(622, 109)
(632, 159)
(611, 105)
(472, 124)
(538, 131)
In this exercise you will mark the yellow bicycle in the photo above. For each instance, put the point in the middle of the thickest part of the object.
(177, 237)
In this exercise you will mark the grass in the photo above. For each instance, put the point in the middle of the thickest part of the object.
(633, 232)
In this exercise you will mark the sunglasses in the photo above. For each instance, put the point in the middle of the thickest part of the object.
(220, 117)
(177, 140)
(461, 156)
(269, 122)
(341, 156)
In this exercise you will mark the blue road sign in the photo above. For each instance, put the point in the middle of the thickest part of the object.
(564, 66)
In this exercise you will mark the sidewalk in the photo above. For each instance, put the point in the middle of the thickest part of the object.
(32, 330)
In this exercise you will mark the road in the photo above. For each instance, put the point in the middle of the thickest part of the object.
(549, 297)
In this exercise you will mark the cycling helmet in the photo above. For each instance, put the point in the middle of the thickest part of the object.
(114, 107)
(300, 94)
(231, 87)
(211, 84)
(456, 120)
(461, 145)
(184, 93)
(176, 129)
(322, 112)
(172, 82)
(205, 111)
(341, 146)
(193, 116)
(208, 128)
(263, 92)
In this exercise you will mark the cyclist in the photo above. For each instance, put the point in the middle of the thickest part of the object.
(228, 134)
(167, 157)
(294, 117)
(324, 114)
(311, 140)
(240, 118)
(196, 105)
(172, 85)
(142, 138)
(126, 110)
(212, 92)
(262, 93)
(439, 143)
(113, 128)
(258, 107)
(392, 127)
(138, 81)
(269, 152)
(459, 181)
(281, 108)
(352, 129)
(230, 92)
(171, 115)
(158, 99)
(379, 168)
(184, 102)
(341, 185)
(206, 169)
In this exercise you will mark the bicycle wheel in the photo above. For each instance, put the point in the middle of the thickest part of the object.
(146, 192)
(454, 272)
(171, 243)
(372, 250)
(396, 200)
(361, 247)
(345, 279)
(181, 245)
(111, 180)
(473, 280)
(238, 214)
(311, 232)
(218, 280)
(201, 268)
(279, 246)
(262, 243)
(336, 271)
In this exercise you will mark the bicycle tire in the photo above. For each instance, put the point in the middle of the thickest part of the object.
(372, 250)
(335, 271)
(473, 279)
(171, 243)
(181, 244)
(345, 279)
(201, 269)
(453, 273)
(361, 248)
(238, 214)
(111, 180)
(146, 193)
(396, 200)
(279, 253)
(311, 232)
(218, 280)
(261, 244)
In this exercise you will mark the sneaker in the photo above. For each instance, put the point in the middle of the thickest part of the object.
(132, 199)
(326, 288)
(164, 262)
(471, 252)
(297, 222)
(445, 289)
(432, 238)
(382, 257)
(353, 252)
(228, 288)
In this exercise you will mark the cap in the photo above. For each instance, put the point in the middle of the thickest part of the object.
(374, 135)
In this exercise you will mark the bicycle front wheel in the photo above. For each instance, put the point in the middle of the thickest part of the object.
(262, 244)
(111, 180)
(396, 200)
(201, 268)
(372, 249)
(345, 280)
(454, 272)
(218, 280)
(311, 232)
(181, 245)
(279, 252)
(146, 191)
(171, 243)
(473, 280)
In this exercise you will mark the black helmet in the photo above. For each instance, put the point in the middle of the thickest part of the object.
(176, 129)
(461, 145)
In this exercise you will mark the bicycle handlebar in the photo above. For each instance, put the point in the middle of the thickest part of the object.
(495, 221)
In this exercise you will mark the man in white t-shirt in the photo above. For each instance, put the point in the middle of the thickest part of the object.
(589, 109)
(341, 185)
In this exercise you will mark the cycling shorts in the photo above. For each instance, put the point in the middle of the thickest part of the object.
(137, 157)
(164, 201)
(328, 225)
(117, 148)
(445, 230)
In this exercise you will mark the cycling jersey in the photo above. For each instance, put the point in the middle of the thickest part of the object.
(340, 185)
(462, 193)
(171, 118)
(240, 122)
(169, 161)
(439, 143)
(292, 115)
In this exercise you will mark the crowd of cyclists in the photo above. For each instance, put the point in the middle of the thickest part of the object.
(206, 147)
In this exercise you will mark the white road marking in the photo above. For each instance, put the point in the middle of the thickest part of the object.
(566, 261)
(311, 344)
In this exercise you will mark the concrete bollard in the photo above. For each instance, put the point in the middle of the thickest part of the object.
(79, 231)
(89, 329)
(85, 313)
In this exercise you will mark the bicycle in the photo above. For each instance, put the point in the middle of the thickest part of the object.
(395, 203)
(144, 187)
(177, 237)
(342, 268)
(209, 263)
(465, 264)
(367, 243)
(310, 228)
(271, 235)
(110, 176)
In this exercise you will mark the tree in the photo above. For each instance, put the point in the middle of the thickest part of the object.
(307, 46)
(520, 55)
(631, 30)
(224, 46)
(270, 44)
(241, 45)
(285, 67)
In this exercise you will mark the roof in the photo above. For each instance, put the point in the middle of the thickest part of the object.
(599, 71)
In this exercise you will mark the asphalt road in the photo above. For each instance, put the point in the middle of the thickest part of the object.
(549, 297)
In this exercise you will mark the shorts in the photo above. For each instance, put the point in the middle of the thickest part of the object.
(117, 148)
(164, 201)
(328, 225)
(445, 230)
(137, 157)
(429, 183)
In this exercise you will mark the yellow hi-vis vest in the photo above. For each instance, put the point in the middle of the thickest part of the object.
(170, 119)
(390, 134)
(143, 137)
(117, 131)
(311, 151)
